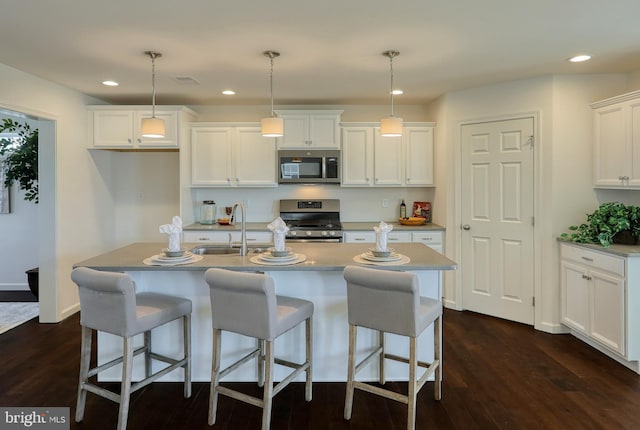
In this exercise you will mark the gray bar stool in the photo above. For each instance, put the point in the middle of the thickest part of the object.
(246, 303)
(109, 303)
(390, 302)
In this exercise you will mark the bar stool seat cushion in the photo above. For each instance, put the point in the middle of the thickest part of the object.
(154, 309)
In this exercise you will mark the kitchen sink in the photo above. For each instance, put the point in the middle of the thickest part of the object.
(225, 250)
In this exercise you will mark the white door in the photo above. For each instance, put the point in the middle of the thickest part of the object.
(497, 218)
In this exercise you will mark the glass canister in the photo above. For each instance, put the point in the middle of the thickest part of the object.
(208, 212)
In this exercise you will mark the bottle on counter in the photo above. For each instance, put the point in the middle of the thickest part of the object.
(403, 210)
(208, 212)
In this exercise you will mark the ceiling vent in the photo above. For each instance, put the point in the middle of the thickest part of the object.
(186, 80)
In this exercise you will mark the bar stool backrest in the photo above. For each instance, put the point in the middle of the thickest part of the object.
(107, 301)
(383, 300)
(243, 303)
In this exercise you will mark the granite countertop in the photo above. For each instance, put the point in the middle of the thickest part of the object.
(346, 226)
(320, 257)
(615, 249)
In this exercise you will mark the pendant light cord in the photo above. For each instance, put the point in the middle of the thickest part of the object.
(153, 55)
(271, 84)
(391, 84)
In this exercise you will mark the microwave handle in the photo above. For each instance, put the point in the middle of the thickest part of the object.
(324, 167)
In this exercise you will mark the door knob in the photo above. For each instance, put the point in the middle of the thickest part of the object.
(466, 227)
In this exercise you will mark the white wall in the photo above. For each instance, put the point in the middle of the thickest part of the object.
(563, 165)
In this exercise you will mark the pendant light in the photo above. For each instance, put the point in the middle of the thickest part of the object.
(153, 127)
(272, 126)
(391, 125)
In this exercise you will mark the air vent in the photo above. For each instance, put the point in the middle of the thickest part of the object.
(186, 80)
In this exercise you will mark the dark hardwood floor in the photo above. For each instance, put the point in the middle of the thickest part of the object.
(497, 375)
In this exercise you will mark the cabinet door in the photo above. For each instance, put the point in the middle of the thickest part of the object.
(418, 144)
(574, 295)
(428, 238)
(634, 143)
(296, 131)
(170, 138)
(254, 158)
(357, 156)
(387, 164)
(113, 129)
(359, 237)
(607, 310)
(211, 156)
(324, 131)
(611, 161)
(399, 237)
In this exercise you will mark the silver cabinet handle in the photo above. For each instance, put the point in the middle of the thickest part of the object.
(466, 227)
(587, 259)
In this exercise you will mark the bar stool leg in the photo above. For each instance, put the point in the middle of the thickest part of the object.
(125, 390)
(437, 333)
(348, 404)
(413, 367)
(215, 377)
(85, 362)
(268, 386)
(381, 358)
(260, 362)
(309, 355)
(186, 337)
(147, 352)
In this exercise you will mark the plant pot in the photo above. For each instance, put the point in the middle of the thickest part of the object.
(33, 277)
(625, 237)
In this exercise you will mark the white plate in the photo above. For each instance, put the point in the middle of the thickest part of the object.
(369, 256)
(266, 256)
(403, 260)
(151, 262)
(298, 258)
(164, 259)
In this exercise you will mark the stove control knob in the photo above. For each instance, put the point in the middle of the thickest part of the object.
(294, 233)
(333, 233)
(309, 233)
(324, 233)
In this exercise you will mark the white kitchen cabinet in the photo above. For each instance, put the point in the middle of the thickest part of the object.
(232, 157)
(433, 239)
(118, 127)
(617, 142)
(368, 159)
(310, 129)
(225, 237)
(600, 300)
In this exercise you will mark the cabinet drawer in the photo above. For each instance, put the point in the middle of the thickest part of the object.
(404, 237)
(430, 238)
(598, 260)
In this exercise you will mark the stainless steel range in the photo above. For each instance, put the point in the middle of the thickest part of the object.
(312, 220)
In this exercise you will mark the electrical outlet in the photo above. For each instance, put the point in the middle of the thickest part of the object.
(385, 203)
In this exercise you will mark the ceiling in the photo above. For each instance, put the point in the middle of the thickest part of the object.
(330, 49)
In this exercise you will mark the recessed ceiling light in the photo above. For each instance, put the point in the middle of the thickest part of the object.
(580, 58)
(228, 92)
(110, 83)
(397, 92)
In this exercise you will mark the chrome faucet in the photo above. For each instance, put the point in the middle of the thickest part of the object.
(243, 226)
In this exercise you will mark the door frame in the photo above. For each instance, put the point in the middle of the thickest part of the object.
(537, 231)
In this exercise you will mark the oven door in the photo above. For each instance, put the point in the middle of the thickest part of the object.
(314, 239)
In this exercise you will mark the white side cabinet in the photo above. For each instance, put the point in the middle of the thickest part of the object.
(600, 299)
(433, 239)
(368, 159)
(226, 237)
(118, 127)
(315, 129)
(617, 142)
(228, 156)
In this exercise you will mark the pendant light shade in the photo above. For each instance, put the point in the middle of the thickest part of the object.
(391, 125)
(272, 126)
(153, 127)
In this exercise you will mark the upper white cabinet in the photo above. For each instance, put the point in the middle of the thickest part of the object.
(315, 129)
(617, 142)
(227, 156)
(118, 127)
(368, 159)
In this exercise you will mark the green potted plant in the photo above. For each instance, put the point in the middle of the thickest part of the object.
(610, 223)
(19, 159)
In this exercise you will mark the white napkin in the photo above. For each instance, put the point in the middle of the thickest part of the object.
(173, 230)
(279, 230)
(382, 231)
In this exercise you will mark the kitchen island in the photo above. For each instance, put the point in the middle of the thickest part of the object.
(318, 279)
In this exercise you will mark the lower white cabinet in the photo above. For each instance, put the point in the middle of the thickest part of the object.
(600, 298)
(433, 239)
(225, 237)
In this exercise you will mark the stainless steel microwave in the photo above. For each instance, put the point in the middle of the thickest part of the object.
(311, 166)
